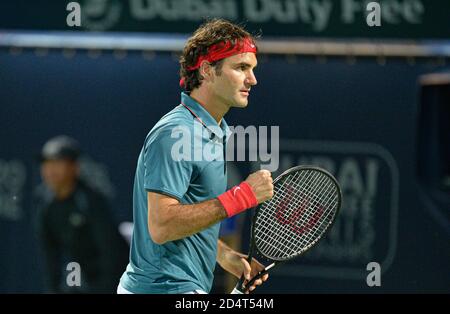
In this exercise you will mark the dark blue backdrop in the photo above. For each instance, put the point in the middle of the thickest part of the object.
(353, 118)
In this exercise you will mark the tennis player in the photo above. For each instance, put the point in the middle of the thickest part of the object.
(178, 203)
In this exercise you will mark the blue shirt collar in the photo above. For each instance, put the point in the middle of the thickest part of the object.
(204, 115)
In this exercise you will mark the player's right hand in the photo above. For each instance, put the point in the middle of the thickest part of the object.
(262, 185)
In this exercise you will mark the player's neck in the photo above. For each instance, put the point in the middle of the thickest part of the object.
(207, 100)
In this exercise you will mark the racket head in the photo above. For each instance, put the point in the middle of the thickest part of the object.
(305, 205)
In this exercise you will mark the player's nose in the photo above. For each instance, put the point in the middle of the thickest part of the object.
(251, 79)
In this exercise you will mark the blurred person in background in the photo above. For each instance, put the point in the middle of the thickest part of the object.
(75, 224)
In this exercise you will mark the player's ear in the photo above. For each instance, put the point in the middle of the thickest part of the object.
(206, 71)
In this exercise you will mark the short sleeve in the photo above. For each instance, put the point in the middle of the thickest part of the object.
(164, 173)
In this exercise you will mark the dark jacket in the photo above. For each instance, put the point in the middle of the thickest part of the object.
(80, 229)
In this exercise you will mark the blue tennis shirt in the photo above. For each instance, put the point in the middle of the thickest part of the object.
(182, 158)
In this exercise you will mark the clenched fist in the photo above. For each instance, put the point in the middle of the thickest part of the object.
(262, 185)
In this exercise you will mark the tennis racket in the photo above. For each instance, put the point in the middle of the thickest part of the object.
(304, 206)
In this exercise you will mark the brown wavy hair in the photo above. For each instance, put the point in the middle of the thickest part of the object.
(208, 34)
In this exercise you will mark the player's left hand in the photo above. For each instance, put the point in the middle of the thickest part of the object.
(251, 270)
(236, 263)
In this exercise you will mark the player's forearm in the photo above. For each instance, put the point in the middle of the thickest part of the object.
(177, 221)
(222, 250)
(228, 258)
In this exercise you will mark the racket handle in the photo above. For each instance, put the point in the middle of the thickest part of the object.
(236, 291)
(239, 286)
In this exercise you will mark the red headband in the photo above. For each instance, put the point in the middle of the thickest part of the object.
(223, 50)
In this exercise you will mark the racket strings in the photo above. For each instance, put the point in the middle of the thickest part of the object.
(289, 248)
(323, 186)
(308, 219)
(303, 206)
(273, 238)
(293, 246)
(329, 200)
